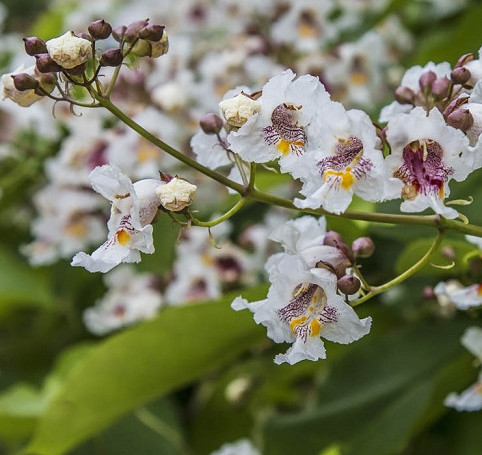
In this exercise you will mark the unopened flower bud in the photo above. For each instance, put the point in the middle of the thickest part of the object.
(426, 80)
(461, 119)
(448, 252)
(460, 75)
(455, 104)
(404, 95)
(24, 81)
(45, 64)
(334, 239)
(176, 195)
(348, 284)
(466, 58)
(239, 109)
(8, 90)
(363, 247)
(85, 36)
(441, 87)
(211, 123)
(111, 57)
(428, 293)
(474, 132)
(69, 50)
(161, 47)
(34, 45)
(100, 29)
(118, 32)
(77, 70)
(133, 29)
(152, 32)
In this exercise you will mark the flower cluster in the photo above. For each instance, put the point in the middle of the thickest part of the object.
(305, 299)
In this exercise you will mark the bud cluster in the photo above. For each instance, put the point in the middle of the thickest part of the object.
(72, 55)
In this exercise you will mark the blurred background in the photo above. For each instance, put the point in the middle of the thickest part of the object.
(81, 372)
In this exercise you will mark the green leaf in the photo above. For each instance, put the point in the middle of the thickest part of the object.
(22, 285)
(140, 364)
(379, 395)
(19, 408)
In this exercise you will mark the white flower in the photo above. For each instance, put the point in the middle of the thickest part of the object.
(241, 447)
(345, 161)
(471, 398)
(462, 297)
(69, 50)
(133, 208)
(239, 109)
(8, 90)
(302, 305)
(130, 299)
(211, 150)
(477, 241)
(176, 195)
(68, 221)
(280, 129)
(426, 154)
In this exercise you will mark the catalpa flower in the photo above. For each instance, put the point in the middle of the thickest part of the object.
(471, 398)
(131, 298)
(462, 297)
(301, 307)
(344, 162)
(134, 206)
(280, 129)
(426, 154)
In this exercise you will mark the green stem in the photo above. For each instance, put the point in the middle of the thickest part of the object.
(252, 176)
(234, 209)
(357, 271)
(417, 220)
(162, 429)
(167, 148)
(374, 290)
(112, 82)
(240, 165)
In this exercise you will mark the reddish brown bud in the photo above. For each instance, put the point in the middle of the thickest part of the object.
(152, 32)
(332, 238)
(45, 64)
(118, 32)
(133, 29)
(84, 36)
(76, 70)
(34, 45)
(466, 58)
(426, 80)
(211, 123)
(164, 177)
(348, 284)
(111, 57)
(455, 104)
(428, 293)
(24, 81)
(363, 247)
(404, 95)
(460, 75)
(441, 87)
(461, 119)
(100, 29)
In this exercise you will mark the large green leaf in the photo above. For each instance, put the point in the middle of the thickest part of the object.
(378, 396)
(22, 285)
(138, 365)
